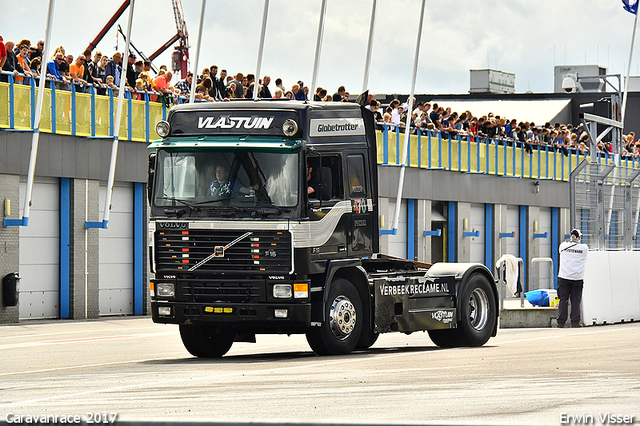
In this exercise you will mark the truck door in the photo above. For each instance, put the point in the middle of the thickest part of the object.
(362, 226)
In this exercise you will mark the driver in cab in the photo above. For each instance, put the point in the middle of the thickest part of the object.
(222, 187)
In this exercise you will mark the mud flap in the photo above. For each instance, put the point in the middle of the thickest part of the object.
(410, 304)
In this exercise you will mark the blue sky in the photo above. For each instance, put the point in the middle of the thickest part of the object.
(524, 37)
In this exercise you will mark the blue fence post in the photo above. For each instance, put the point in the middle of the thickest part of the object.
(459, 148)
(147, 118)
(129, 98)
(546, 160)
(12, 106)
(439, 149)
(419, 139)
(385, 144)
(32, 83)
(494, 141)
(73, 109)
(449, 143)
(398, 146)
(468, 153)
(429, 147)
(53, 107)
(513, 156)
(92, 90)
(486, 157)
(111, 112)
(477, 141)
(522, 152)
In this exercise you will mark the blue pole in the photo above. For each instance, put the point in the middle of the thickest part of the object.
(488, 236)
(411, 229)
(65, 237)
(385, 144)
(138, 244)
(12, 106)
(93, 110)
(73, 109)
(451, 232)
(53, 107)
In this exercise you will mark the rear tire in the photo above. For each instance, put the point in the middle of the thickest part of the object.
(478, 312)
(477, 309)
(340, 332)
(205, 342)
(446, 338)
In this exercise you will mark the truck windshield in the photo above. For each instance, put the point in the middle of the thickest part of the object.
(212, 178)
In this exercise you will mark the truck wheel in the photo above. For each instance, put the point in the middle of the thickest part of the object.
(367, 338)
(477, 311)
(340, 332)
(205, 342)
(446, 338)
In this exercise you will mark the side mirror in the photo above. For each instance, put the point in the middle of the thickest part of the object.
(151, 175)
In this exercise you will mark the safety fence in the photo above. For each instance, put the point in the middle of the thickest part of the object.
(605, 205)
(73, 112)
(503, 157)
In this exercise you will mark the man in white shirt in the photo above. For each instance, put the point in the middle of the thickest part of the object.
(573, 259)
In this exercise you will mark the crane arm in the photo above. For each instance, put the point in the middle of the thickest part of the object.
(107, 27)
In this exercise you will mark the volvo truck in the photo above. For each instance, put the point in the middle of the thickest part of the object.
(264, 219)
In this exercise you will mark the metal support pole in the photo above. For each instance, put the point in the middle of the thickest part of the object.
(35, 139)
(367, 62)
(256, 84)
(316, 61)
(116, 130)
(194, 79)
(407, 128)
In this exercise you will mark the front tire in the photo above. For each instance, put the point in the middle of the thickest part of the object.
(340, 332)
(205, 342)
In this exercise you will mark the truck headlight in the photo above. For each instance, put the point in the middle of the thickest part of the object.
(163, 129)
(282, 291)
(289, 128)
(165, 290)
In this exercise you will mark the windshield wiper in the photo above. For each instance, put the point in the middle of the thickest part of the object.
(179, 212)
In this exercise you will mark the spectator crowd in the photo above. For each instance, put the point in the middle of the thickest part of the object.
(104, 73)
(93, 69)
(426, 117)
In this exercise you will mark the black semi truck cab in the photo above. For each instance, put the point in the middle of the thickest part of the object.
(264, 216)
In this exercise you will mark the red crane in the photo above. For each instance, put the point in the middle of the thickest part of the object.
(180, 56)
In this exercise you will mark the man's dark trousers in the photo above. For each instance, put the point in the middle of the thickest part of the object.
(569, 289)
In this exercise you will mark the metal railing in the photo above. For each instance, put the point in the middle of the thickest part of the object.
(534, 280)
(468, 154)
(74, 112)
(80, 110)
(605, 205)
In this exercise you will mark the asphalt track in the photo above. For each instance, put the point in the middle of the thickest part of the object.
(139, 370)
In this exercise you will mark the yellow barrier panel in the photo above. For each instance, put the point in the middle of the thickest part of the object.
(22, 98)
(22, 106)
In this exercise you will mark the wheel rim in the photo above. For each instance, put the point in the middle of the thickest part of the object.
(342, 317)
(478, 309)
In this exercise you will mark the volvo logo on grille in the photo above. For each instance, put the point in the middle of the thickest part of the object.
(173, 225)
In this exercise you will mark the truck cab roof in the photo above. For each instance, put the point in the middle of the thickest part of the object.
(315, 123)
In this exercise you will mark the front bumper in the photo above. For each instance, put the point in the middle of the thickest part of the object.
(251, 316)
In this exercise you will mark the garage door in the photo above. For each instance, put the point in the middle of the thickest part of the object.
(116, 253)
(40, 252)
(476, 224)
(545, 248)
(398, 242)
(513, 224)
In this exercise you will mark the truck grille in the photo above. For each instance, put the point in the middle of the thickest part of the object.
(225, 291)
(258, 253)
